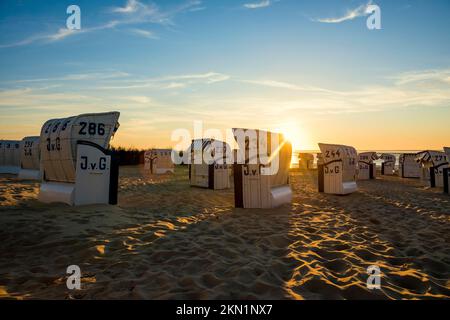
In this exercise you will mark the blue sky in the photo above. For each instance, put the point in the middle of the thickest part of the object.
(312, 67)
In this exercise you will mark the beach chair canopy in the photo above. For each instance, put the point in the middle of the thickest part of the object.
(432, 158)
(407, 157)
(387, 157)
(153, 153)
(367, 157)
(264, 147)
(215, 149)
(305, 156)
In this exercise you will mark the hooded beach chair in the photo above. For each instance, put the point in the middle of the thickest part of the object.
(159, 161)
(30, 165)
(261, 170)
(77, 166)
(208, 166)
(10, 156)
(337, 174)
(433, 164)
(366, 166)
(408, 166)
(388, 164)
(306, 161)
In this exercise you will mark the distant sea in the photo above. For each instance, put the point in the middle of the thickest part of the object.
(396, 153)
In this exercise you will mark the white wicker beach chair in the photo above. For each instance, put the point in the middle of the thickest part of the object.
(77, 166)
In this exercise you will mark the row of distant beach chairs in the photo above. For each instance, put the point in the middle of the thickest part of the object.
(425, 165)
(72, 160)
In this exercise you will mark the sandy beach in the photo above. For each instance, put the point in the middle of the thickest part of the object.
(166, 240)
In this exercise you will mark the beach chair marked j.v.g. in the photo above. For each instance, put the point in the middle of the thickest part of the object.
(261, 170)
(366, 165)
(337, 173)
(77, 166)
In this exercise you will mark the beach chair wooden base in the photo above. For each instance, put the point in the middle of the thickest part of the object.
(437, 177)
(387, 169)
(253, 190)
(366, 171)
(9, 169)
(27, 174)
(330, 180)
(164, 170)
(210, 176)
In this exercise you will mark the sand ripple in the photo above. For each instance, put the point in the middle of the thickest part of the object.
(166, 240)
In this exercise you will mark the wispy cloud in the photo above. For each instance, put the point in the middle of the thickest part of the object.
(130, 6)
(429, 88)
(420, 88)
(144, 33)
(139, 12)
(168, 82)
(132, 13)
(258, 5)
(61, 34)
(351, 14)
(104, 75)
(135, 11)
(438, 75)
(290, 86)
(139, 99)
